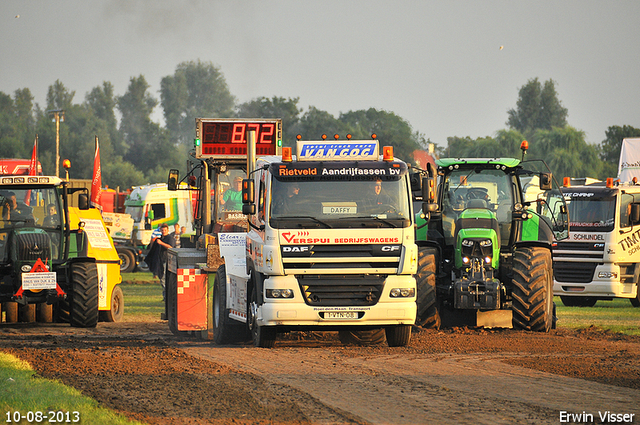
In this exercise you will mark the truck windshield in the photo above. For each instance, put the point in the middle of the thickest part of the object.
(340, 204)
(592, 212)
(24, 209)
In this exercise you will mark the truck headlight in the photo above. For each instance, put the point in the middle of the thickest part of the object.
(607, 275)
(402, 292)
(279, 293)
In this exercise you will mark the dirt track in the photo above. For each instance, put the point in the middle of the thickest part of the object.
(446, 377)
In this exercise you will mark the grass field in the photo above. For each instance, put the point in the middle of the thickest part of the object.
(40, 400)
(615, 316)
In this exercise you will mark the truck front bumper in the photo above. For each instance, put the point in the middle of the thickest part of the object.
(296, 313)
(605, 283)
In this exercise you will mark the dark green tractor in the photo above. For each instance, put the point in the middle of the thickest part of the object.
(485, 233)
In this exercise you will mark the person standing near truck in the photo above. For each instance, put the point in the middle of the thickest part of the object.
(157, 257)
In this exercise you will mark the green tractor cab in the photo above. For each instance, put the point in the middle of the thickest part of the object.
(485, 232)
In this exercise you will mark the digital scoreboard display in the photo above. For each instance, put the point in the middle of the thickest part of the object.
(227, 138)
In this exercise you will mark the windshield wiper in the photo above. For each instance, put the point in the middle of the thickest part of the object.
(375, 217)
(297, 217)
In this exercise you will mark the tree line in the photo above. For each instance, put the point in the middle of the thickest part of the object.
(136, 150)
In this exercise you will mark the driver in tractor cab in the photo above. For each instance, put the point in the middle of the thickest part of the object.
(232, 198)
(14, 212)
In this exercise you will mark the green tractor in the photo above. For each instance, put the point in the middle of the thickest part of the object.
(485, 234)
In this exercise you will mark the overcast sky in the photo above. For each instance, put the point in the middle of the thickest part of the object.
(437, 64)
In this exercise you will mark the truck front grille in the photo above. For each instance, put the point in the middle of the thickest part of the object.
(331, 259)
(578, 272)
(579, 251)
(344, 290)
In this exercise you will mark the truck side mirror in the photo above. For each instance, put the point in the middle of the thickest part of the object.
(83, 201)
(416, 182)
(546, 180)
(635, 214)
(248, 209)
(248, 191)
(174, 177)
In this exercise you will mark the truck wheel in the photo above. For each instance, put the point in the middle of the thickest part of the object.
(83, 302)
(636, 301)
(142, 267)
(127, 260)
(428, 315)
(225, 330)
(398, 336)
(532, 289)
(578, 301)
(263, 336)
(27, 313)
(11, 311)
(363, 337)
(44, 313)
(116, 312)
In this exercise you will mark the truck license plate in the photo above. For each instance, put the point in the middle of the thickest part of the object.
(340, 314)
(44, 280)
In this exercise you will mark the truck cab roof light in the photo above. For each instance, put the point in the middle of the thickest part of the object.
(566, 182)
(349, 136)
(524, 146)
(286, 155)
(609, 182)
(387, 153)
(336, 136)
(374, 136)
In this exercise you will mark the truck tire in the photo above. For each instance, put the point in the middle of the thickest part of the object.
(636, 301)
(578, 301)
(428, 315)
(116, 312)
(83, 296)
(27, 313)
(263, 336)
(398, 336)
(532, 290)
(225, 329)
(363, 337)
(44, 313)
(127, 260)
(142, 267)
(11, 311)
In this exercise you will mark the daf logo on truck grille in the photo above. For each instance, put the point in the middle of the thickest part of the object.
(296, 249)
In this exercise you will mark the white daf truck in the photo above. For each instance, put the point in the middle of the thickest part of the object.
(327, 244)
(601, 258)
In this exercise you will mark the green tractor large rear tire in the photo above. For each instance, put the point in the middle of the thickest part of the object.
(532, 289)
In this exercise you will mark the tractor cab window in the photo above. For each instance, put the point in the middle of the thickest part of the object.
(228, 196)
(34, 212)
(479, 188)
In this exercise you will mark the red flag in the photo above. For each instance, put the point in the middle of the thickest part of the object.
(96, 183)
(33, 169)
